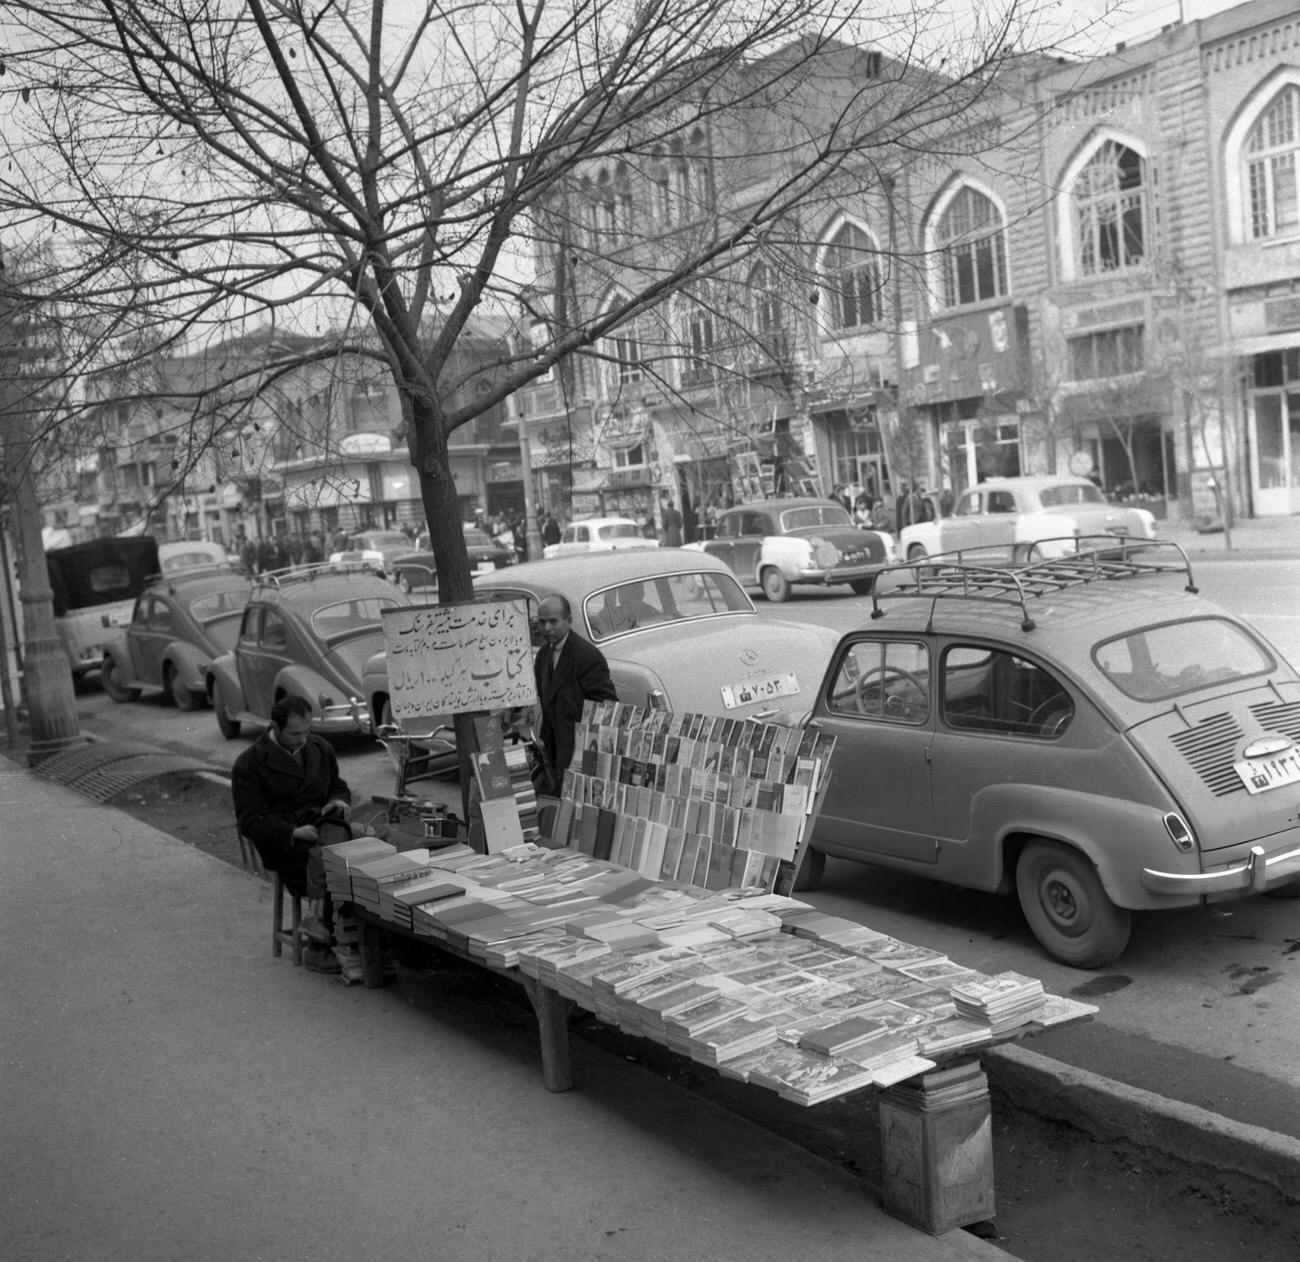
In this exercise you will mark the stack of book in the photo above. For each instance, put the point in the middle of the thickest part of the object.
(1003, 1001)
(343, 855)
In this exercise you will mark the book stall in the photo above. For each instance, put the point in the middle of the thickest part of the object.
(652, 904)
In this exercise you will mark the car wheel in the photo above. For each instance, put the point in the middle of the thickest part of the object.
(811, 870)
(185, 698)
(112, 683)
(1067, 908)
(916, 553)
(775, 585)
(229, 726)
(862, 586)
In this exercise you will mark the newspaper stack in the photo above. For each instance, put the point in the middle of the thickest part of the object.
(1003, 1001)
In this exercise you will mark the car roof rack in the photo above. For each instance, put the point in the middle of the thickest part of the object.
(958, 575)
(318, 569)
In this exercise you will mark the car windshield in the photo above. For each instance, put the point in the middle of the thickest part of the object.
(353, 654)
(1080, 493)
(394, 540)
(219, 614)
(620, 530)
(1165, 661)
(348, 617)
(813, 516)
(190, 560)
(478, 539)
(667, 598)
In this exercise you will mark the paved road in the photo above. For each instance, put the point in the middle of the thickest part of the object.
(1205, 1004)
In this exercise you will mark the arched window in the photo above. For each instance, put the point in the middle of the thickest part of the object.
(1270, 155)
(1110, 208)
(971, 248)
(852, 279)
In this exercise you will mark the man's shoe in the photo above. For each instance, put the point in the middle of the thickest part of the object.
(318, 959)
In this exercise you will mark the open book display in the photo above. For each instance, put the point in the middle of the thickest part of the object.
(760, 986)
(698, 799)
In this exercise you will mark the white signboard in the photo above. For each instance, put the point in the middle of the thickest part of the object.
(444, 659)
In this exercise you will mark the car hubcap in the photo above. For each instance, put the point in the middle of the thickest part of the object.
(1061, 902)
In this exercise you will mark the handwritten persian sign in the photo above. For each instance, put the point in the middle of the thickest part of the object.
(443, 659)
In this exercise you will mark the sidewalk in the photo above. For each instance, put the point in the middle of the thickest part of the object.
(1255, 538)
(174, 1092)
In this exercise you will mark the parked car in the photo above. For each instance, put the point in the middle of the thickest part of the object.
(1087, 731)
(776, 544)
(305, 633)
(377, 549)
(598, 534)
(1039, 515)
(416, 571)
(95, 585)
(191, 554)
(180, 624)
(675, 626)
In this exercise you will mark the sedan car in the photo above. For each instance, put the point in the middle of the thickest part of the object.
(598, 534)
(178, 626)
(775, 544)
(416, 571)
(1086, 731)
(306, 634)
(1042, 516)
(678, 632)
(173, 558)
(377, 549)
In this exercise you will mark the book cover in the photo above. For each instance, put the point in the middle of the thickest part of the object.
(603, 837)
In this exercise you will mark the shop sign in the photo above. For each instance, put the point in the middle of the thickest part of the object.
(365, 444)
(1099, 315)
(971, 354)
(1281, 314)
(504, 471)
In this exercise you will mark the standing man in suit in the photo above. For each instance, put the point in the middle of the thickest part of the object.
(569, 670)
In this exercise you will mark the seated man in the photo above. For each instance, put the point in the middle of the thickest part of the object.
(287, 788)
(633, 608)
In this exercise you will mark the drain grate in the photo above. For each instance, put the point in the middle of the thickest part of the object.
(107, 782)
(103, 769)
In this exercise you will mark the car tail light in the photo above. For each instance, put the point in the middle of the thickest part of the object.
(825, 553)
(655, 699)
(1179, 833)
(325, 700)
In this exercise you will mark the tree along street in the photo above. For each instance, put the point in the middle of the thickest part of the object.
(1204, 1005)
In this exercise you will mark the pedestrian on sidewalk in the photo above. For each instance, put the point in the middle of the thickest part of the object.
(286, 787)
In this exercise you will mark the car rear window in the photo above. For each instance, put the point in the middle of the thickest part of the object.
(816, 515)
(620, 530)
(1055, 496)
(1159, 662)
(349, 616)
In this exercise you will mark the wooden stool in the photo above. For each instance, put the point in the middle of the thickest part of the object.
(280, 936)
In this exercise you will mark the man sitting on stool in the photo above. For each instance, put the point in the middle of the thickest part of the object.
(287, 788)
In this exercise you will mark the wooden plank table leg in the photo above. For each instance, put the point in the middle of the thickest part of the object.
(552, 1011)
(936, 1149)
(370, 942)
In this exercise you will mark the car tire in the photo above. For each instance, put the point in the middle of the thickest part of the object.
(916, 553)
(862, 586)
(112, 683)
(1065, 905)
(776, 587)
(183, 697)
(229, 726)
(811, 871)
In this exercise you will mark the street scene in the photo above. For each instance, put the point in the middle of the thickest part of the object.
(717, 586)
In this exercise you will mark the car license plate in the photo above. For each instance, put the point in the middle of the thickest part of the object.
(484, 567)
(762, 688)
(1259, 775)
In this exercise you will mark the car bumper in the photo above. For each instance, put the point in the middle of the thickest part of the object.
(839, 574)
(342, 719)
(1257, 872)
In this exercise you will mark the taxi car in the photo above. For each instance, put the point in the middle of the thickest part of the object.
(179, 625)
(1021, 515)
(1087, 731)
(306, 632)
(598, 534)
(776, 544)
(376, 549)
(676, 628)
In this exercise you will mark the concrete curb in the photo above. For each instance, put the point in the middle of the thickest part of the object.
(1111, 1111)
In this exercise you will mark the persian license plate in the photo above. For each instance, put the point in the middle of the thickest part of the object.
(761, 688)
(1259, 775)
(484, 567)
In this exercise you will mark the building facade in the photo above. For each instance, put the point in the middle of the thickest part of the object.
(1101, 275)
